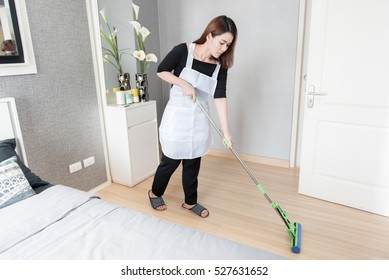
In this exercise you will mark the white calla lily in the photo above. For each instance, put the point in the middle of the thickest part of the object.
(145, 33)
(142, 33)
(111, 51)
(136, 26)
(151, 58)
(136, 10)
(102, 12)
(140, 55)
(113, 34)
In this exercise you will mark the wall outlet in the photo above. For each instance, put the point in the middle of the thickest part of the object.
(89, 161)
(75, 167)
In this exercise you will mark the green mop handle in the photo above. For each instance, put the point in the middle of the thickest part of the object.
(283, 214)
(294, 229)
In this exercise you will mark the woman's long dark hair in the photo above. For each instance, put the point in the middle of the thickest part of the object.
(218, 26)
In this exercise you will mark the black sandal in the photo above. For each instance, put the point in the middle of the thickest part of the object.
(156, 202)
(197, 209)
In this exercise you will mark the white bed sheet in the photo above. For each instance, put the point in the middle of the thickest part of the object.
(65, 223)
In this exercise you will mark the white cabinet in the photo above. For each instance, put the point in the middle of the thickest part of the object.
(132, 139)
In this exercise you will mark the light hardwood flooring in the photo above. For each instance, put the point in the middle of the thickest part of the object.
(239, 212)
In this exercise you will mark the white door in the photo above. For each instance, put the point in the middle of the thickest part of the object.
(345, 146)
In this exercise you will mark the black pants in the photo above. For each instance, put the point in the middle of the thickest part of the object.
(190, 172)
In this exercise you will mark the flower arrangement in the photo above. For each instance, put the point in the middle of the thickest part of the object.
(112, 54)
(141, 35)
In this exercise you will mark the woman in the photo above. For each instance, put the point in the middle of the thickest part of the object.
(198, 70)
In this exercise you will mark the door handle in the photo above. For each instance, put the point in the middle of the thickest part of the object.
(311, 95)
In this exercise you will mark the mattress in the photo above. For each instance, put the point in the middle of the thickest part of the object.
(63, 223)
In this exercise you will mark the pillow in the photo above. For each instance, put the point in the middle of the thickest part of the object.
(7, 150)
(14, 186)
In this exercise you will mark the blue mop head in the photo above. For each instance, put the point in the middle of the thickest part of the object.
(296, 238)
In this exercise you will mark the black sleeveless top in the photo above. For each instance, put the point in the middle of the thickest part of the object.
(175, 61)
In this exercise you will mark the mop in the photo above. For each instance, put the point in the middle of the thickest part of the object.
(294, 228)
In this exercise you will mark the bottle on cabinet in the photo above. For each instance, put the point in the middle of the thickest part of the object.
(128, 97)
(120, 98)
(135, 95)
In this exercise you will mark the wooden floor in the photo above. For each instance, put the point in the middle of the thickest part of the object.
(239, 211)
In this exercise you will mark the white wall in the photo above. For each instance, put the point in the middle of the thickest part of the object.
(260, 86)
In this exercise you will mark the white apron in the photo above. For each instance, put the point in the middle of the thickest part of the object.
(185, 130)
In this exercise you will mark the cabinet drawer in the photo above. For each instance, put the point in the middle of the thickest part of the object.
(141, 114)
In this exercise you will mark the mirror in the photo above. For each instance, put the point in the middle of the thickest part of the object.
(16, 52)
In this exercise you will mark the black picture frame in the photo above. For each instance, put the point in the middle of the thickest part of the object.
(19, 56)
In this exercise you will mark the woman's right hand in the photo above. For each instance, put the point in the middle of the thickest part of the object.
(188, 90)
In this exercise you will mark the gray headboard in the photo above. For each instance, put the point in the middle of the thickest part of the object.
(10, 126)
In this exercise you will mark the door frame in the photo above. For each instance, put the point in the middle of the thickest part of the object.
(299, 91)
(96, 49)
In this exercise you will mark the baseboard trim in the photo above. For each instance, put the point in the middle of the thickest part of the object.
(102, 186)
(251, 158)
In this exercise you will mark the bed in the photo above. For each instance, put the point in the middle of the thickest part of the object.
(56, 222)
